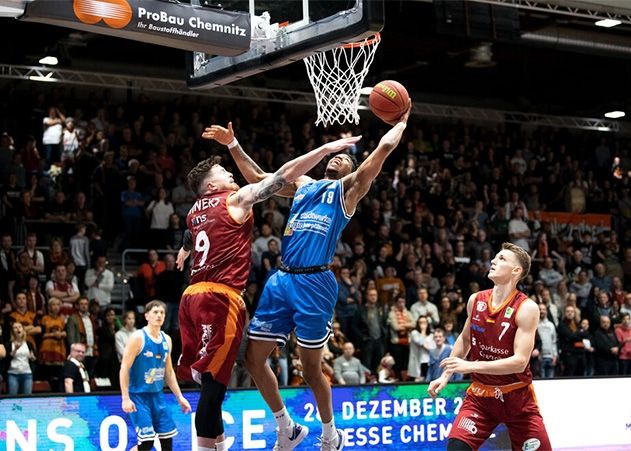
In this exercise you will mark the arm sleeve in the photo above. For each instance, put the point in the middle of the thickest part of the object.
(187, 240)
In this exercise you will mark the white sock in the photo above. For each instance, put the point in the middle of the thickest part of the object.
(204, 448)
(283, 420)
(221, 446)
(328, 429)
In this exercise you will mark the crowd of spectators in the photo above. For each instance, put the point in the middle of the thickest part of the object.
(418, 246)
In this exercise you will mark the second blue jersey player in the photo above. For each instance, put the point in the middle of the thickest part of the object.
(301, 296)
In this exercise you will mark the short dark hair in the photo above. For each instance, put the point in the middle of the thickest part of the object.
(200, 172)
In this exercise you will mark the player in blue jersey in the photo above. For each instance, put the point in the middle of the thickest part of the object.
(145, 366)
(301, 296)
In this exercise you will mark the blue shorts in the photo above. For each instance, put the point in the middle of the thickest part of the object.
(303, 302)
(151, 418)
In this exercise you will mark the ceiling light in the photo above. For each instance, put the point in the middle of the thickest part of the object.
(614, 114)
(607, 23)
(46, 78)
(49, 61)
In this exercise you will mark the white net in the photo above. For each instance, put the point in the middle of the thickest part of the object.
(337, 76)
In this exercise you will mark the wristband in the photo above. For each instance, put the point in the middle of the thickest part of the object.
(233, 143)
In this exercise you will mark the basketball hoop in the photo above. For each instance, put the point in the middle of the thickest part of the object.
(337, 76)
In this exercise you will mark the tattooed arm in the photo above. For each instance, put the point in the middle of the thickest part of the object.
(251, 171)
(240, 204)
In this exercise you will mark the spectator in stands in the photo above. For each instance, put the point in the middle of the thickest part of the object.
(389, 286)
(260, 244)
(29, 319)
(52, 351)
(518, 230)
(169, 289)
(183, 198)
(600, 278)
(548, 352)
(23, 272)
(76, 378)
(36, 257)
(401, 324)
(438, 352)
(422, 307)
(51, 139)
(122, 335)
(175, 233)
(58, 209)
(549, 275)
(69, 142)
(158, 211)
(421, 343)
(385, 371)
(81, 212)
(369, 326)
(100, 282)
(269, 260)
(582, 287)
(80, 253)
(7, 271)
(59, 287)
(35, 300)
(147, 273)
(107, 364)
(606, 349)
(348, 369)
(20, 357)
(81, 328)
(623, 334)
(626, 307)
(56, 255)
(131, 204)
(572, 344)
(348, 299)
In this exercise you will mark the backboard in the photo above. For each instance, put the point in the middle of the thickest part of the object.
(293, 30)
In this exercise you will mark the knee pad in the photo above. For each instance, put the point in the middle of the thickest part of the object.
(208, 421)
(454, 444)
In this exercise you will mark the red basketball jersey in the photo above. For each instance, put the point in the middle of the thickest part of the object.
(222, 246)
(493, 335)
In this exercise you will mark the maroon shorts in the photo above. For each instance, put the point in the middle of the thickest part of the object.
(211, 318)
(479, 416)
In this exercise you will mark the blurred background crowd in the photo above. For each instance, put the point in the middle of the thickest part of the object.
(93, 206)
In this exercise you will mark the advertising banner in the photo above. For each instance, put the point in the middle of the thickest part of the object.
(579, 414)
(171, 24)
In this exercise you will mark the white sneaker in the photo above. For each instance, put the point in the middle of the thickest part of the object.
(286, 441)
(334, 444)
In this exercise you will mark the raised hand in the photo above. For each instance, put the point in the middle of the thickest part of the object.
(340, 144)
(220, 134)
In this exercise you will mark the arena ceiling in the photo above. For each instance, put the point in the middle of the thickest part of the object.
(474, 53)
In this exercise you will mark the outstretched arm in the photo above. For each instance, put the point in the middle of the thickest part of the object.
(357, 184)
(241, 203)
(251, 171)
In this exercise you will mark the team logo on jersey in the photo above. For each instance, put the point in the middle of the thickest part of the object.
(148, 354)
(469, 425)
(509, 312)
(480, 306)
(531, 444)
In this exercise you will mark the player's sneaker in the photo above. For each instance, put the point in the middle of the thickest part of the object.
(286, 441)
(334, 444)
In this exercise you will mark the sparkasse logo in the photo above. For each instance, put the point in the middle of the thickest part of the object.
(114, 13)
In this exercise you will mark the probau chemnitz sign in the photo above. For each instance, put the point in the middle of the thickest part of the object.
(178, 25)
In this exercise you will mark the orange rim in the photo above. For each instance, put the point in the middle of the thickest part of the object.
(354, 45)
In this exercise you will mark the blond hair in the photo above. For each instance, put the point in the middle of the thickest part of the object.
(523, 258)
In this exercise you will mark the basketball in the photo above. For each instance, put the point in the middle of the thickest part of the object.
(388, 100)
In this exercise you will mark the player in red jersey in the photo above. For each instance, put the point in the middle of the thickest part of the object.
(212, 312)
(495, 347)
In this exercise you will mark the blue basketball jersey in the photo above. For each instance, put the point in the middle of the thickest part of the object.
(316, 220)
(147, 371)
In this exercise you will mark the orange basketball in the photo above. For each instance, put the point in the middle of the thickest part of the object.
(388, 100)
